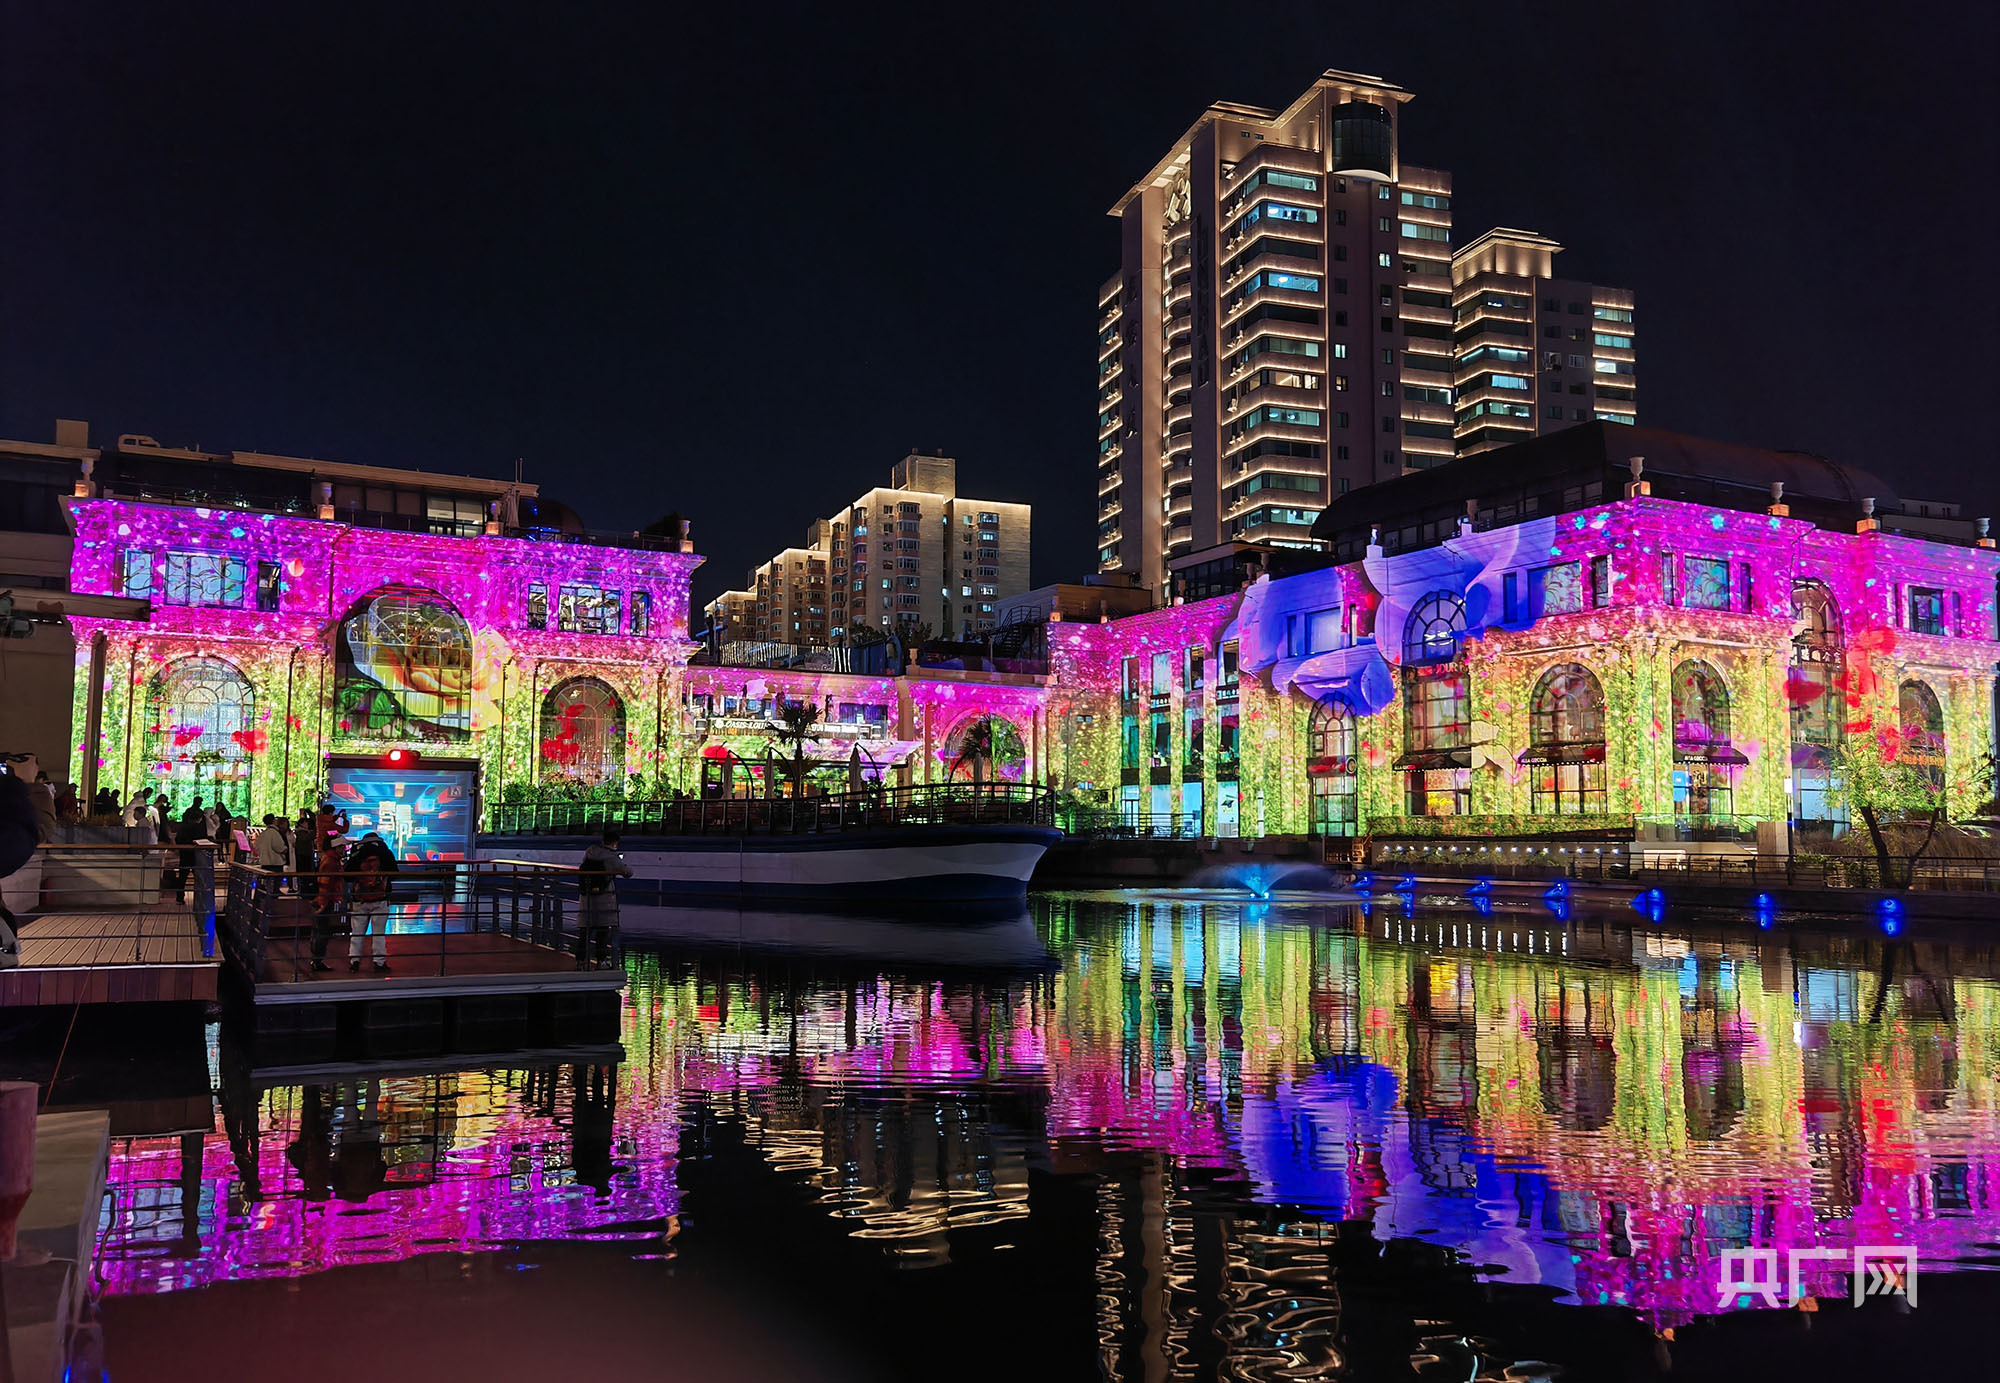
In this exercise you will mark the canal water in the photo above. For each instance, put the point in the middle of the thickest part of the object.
(1126, 1136)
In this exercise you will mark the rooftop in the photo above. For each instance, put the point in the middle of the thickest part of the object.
(1557, 471)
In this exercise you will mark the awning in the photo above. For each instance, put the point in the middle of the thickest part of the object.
(1719, 753)
(1588, 753)
(1435, 758)
(820, 753)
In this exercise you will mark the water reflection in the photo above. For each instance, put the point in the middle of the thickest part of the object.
(1598, 1108)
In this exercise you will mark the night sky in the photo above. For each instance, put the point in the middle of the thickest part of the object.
(737, 265)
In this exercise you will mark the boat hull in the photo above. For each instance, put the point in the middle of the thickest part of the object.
(941, 864)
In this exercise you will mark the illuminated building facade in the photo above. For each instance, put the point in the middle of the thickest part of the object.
(1533, 642)
(1284, 327)
(283, 655)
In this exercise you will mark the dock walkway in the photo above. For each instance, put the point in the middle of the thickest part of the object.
(149, 954)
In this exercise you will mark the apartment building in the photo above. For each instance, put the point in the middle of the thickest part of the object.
(1281, 329)
(1535, 353)
(910, 555)
(791, 597)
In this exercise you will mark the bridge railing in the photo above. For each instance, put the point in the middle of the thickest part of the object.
(935, 804)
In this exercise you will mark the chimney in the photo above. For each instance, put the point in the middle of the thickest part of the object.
(1777, 508)
(1984, 524)
(1640, 485)
(326, 500)
(1869, 523)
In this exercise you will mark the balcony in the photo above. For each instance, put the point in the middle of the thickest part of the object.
(1180, 413)
(1281, 395)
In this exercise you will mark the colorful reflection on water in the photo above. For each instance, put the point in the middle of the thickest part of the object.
(1601, 1107)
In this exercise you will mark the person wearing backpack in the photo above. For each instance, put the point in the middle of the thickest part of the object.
(371, 865)
(597, 911)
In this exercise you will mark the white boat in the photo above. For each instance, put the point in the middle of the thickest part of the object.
(949, 843)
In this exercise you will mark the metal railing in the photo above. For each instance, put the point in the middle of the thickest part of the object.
(90, 905)
(450, 918)
(937, 804)
(1111, 823)
(1662, 863)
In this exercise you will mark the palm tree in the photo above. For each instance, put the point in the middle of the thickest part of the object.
(793, 727)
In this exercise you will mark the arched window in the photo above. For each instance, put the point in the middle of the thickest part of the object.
(403, 670)
(1923, 731)
(985, 749)
(1330, 746)
(583, 733)
(201, 732)
(1704, 759)
(1437, 719)
(1813, 689)
(1435, 627)
(1566, 742)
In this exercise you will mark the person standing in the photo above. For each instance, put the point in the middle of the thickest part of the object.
(42, 796)
(271, 849)
(194, 829)
(20, 828)
(597, 899)
(305, 854)
(372, 864)
(328, 890)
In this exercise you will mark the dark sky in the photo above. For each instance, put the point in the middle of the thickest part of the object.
(738, 264)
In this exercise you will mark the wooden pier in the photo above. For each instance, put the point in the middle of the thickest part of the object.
(154, 952)
(481, 959)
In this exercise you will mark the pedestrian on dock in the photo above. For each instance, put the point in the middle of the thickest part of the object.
(328, 890)
(193, 832)
(597, 898)
(42, 796)
(69, 809)
(139, 811)
(105, 803)
(371, 864)
(305, 853)
(271, 849)
(18, 838)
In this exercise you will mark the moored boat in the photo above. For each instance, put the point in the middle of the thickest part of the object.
(947, 843)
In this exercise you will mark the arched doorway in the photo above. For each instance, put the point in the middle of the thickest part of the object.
(1566, 743)
(201, 733)
(582, 734)
(1330, 768)
(1921, 718)
(985, 749)
(1813, 688)
(1705, 761)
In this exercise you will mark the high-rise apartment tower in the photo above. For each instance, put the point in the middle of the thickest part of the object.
(1535, 353)
(1282, 329)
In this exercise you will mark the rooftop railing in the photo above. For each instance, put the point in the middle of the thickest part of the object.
(938, 804)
